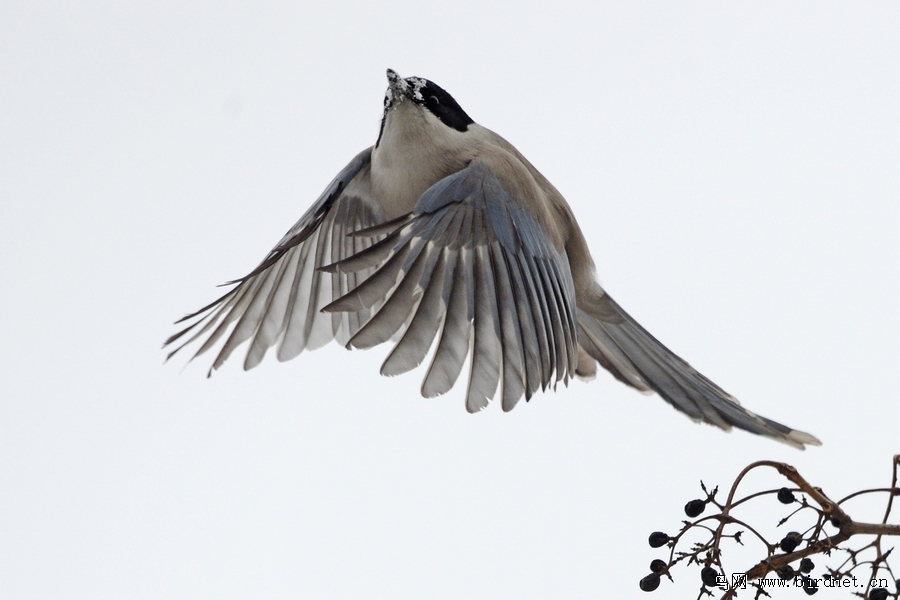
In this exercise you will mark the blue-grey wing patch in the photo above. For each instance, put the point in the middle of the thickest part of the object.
(280, 301)
(470, 268)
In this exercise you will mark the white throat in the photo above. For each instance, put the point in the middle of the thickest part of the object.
(415, 151)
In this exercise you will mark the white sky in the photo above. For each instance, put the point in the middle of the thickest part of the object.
(735, 167)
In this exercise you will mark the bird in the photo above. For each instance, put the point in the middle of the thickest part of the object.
(443, 237)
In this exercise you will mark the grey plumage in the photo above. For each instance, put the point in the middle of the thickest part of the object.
(468, 220)
(279, 302)
(444, 238)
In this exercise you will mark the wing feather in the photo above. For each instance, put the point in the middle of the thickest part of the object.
(279, 302)
(473, 269)
(396, 309)
(454, 341)
(413, 347)
(487, 353)
(294, 340)
(273, 316)
(514, 353)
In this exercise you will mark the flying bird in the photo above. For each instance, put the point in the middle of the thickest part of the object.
(443, 235)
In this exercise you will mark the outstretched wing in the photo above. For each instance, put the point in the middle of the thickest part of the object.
(280, 301)
(472, 268)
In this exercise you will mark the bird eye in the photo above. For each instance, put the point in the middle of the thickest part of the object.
(434, 100)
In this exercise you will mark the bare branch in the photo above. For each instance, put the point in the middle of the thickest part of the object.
(780, 556)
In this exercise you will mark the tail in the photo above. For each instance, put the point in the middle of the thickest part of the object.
(624, 348)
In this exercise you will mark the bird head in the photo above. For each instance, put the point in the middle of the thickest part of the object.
(425, 99)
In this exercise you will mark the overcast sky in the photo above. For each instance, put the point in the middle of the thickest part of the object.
(734, 166)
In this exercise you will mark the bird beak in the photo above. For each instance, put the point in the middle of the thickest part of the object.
(397, 87)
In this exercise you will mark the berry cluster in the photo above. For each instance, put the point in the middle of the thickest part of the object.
(789, 557)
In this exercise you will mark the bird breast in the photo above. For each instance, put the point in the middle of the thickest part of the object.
(415, 151)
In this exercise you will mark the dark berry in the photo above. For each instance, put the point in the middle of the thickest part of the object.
(809, 586)
(806, 565)
(835, 522)
(790, 542)
(879, 594)
(658, 539)
(658, 566)
(694, 508)
(786, 496)
(650, 582)
(709, 576)
(786, 572)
